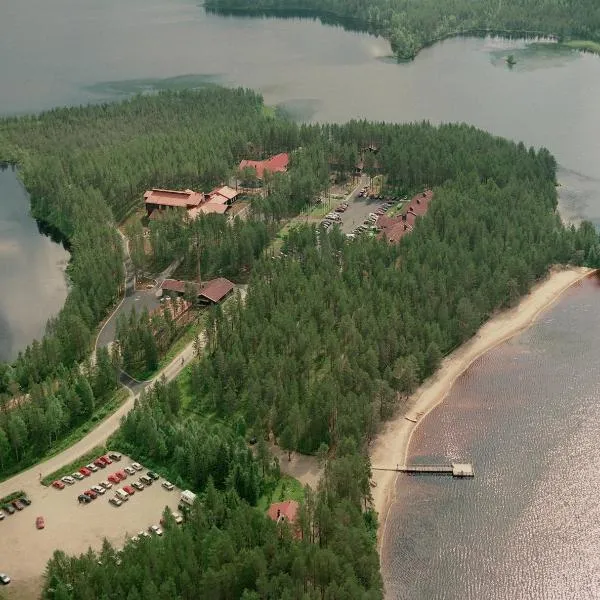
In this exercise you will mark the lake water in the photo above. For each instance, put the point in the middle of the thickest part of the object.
(528, 525)
(32, 270)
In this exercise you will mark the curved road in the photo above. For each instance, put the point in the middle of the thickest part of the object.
(28, 481)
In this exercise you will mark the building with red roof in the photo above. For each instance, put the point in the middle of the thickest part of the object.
(286, 512)
(275, 164)
(212, 291)
(159, 199)
(215, 290)
(393, 229)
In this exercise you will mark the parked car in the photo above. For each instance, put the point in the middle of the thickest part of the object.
(153, 475)
(100, 463)
(115, 501)
(114, 456)
(25, 500)
(146, 480)
(129, 490)
(77, 475)
(138, 486)
(121, 475)
(106, 485)
(67, 479)
(85, 471)
(91, 467)
(9, 508)
(106, 460)
(176, 516)
(4, 579)
(114, 478)
(122, 495)
(129, 470)
(137, 466)
(59, 485)
(40, 523)
(143, 534)
(91, 493)
(84, 499)
(155, 529)
(18, 505)
(99, 490)
(2, 515)
(168, 485)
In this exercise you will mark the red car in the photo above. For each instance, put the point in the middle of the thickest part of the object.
(106, 460)
(114, 478)
(39, 523)
(91, 493)
(59, 485)
(129, 490)
(121, 475)
(100, 463)
(85, 471)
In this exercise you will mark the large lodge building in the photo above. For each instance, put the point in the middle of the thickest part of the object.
(195, 203)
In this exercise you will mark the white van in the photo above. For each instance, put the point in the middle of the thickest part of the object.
(122, 495)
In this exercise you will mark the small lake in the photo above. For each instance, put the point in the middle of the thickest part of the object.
(32, 271)
(80, 51)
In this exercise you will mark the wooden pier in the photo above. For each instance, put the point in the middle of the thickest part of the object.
(455, 469)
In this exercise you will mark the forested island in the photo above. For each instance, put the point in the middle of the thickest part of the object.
(333, 335)
(410, 25)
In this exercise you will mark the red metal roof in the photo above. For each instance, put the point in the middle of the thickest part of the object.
(216, 289)
(394, 228)
(177, 198)
(173, 285)
(288, 510)
(275, 164)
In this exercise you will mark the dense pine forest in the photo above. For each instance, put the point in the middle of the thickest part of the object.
(412, 24)
(333, 333)
(86, 168)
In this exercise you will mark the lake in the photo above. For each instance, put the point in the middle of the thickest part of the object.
(32, 270)
(527, 526)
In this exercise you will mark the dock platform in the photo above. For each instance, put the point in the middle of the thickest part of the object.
(454, 469)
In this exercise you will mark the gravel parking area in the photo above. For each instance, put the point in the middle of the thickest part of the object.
(74, 527)
(358, 210)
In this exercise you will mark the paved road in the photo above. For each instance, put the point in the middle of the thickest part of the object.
(28, 480)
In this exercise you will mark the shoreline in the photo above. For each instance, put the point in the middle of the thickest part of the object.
(392, 444)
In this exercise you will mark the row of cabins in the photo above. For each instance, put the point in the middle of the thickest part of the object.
(393, 229)
(218, 200)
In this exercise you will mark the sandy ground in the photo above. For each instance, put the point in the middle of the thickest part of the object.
(73, 527)
(302, 467)
(391, 446)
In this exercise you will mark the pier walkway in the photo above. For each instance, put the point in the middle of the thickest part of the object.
(455, 469)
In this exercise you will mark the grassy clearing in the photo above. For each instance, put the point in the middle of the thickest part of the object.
(285, 488)
(583, 45)
(11, 497)
(75, 465)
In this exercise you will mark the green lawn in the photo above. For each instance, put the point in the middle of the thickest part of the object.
(11, 497)
(584, 45)
(286, 488)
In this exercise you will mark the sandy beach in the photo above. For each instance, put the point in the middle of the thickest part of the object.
(391, 446)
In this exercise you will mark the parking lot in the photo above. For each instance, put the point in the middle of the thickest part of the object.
(72, 526)
(357, 211)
